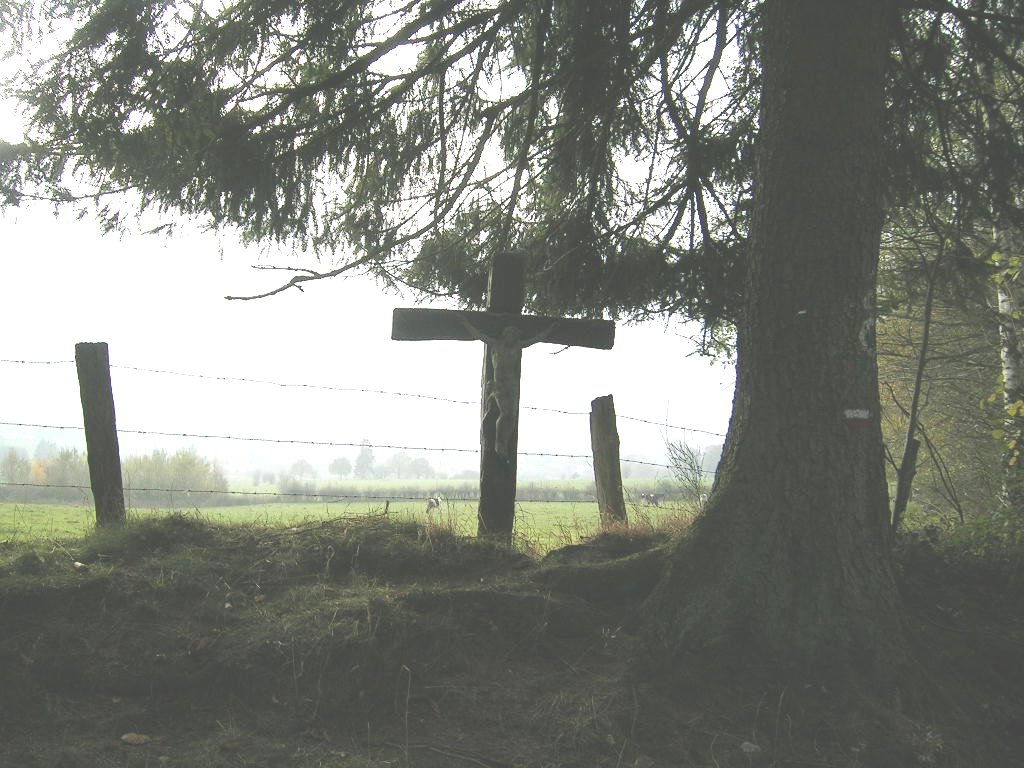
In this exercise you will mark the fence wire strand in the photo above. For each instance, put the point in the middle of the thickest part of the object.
(359, 390)
(312, 494)
(329, 498)
(328, 443)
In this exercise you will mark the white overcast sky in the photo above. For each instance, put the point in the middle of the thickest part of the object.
(159, 304)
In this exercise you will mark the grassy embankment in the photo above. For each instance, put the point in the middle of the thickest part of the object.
(540, 526)
(368, 640)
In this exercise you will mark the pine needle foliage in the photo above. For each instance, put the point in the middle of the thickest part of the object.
(612, 142)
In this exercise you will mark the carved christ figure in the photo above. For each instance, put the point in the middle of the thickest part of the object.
(505, 352)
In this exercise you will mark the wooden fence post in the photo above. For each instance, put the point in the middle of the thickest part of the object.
(604, 441)
(101, 447)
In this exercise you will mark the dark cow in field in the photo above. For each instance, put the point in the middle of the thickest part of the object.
(650, 499)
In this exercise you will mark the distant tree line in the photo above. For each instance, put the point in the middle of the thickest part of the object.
(58, 471)
(160, 479)
(184, 478)
(399, 466)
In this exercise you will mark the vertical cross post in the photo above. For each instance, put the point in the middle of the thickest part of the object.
(499, 463)
(506, 331)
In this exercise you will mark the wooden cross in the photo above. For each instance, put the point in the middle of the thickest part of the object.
(506, 331)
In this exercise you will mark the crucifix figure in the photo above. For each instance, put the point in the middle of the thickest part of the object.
(506, 332)
(506, 355)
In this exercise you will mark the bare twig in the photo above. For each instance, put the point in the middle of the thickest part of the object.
(305, 275)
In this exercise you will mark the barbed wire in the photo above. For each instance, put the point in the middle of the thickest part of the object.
(668, 426)
(295, 385)
(327, 443)
(360, 390)
(195, 491)
(329, 498)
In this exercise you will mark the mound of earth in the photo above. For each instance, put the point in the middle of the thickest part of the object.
(370, 642)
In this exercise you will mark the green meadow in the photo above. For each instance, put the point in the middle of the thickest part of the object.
(540, 525)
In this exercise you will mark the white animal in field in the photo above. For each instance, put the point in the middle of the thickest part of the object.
(434, 502)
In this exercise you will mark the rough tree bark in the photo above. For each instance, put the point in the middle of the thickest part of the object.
(791, 558)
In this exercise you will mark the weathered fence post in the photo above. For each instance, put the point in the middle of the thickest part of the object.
(100, 432)
(604, 440)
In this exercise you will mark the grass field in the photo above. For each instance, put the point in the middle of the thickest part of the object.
(540, 526)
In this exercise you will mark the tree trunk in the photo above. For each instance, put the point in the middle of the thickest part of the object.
(1011, 352)
(912, 446)
(792, 554)
(1011, 356)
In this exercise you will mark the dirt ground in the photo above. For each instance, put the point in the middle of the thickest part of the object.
(370, 642)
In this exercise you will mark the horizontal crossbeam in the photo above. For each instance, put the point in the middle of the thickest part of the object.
(422, 324)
